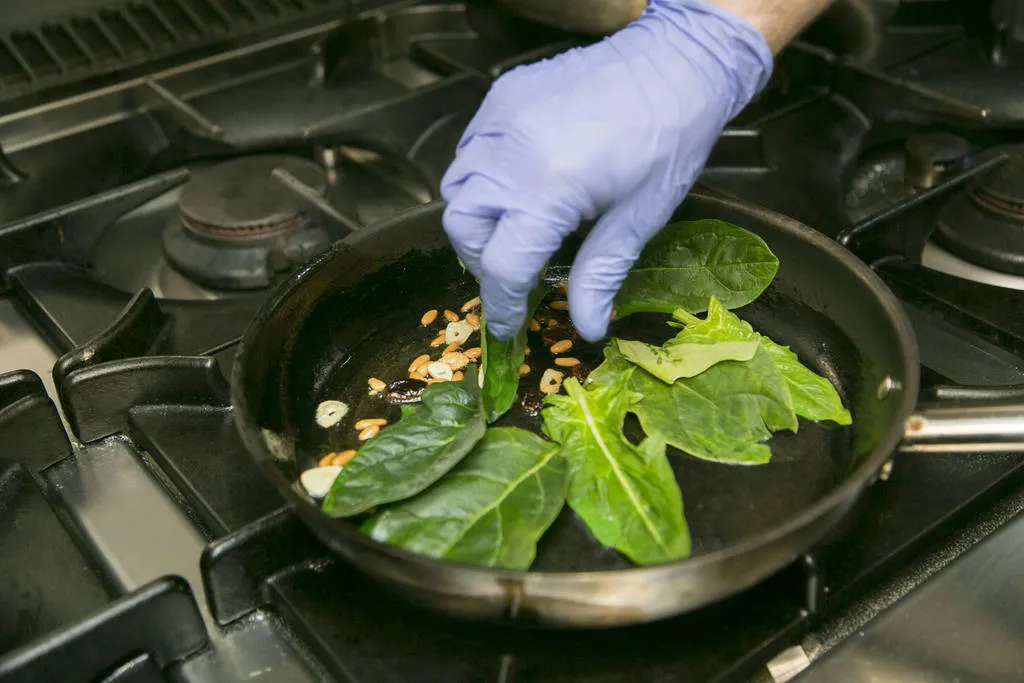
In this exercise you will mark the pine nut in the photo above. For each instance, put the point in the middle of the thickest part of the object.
(456, 360)
(417, 375)
(451, 348)
(527, 351)
(613, 315)
(420, 360)
(471, 304)
(552, 322)
(369, 432)
(450, 316)
(561, 346)
(551, 381)
(428, 317)
(341, 459)
(376, 384)
(563, 286)
(473, 353)
(326, 460)
(438, 341)
(534, 325)
(474, 320)
(524, 369)
(458, 376)
(559, 305)
(567, 362)
(435, 380)
(369, 422)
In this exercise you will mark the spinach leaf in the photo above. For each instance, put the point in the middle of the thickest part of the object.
(814, 397)
(669, 363)
(410, 455)
(490, 510)
(500, 360)
(722, 414)
(687, 262)
(627, 495)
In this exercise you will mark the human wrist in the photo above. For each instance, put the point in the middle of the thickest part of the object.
(733, 45)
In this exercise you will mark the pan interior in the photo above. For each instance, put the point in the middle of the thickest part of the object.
(372, 329)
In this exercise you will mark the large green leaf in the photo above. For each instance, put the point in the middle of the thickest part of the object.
(669, 363)
(490, 510)
(723, 414)
(814, 397)
(410, 455)
(627, 495)
(500, 360)
(688, 262)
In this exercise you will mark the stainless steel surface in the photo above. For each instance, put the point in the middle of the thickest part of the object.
(966, 429)
(21, 347)
(966, 624)
(140, 533)
(937, 258)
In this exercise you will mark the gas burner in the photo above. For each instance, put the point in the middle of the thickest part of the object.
(985, 226)
(238, 223)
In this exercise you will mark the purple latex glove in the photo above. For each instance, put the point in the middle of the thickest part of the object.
(620, 129)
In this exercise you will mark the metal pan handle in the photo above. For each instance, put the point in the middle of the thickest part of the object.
(966, 428)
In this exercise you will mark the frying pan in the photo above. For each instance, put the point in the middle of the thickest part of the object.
(354, 313)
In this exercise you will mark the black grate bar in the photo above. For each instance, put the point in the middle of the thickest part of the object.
(149, 22)
(51, 52)
(170, 7)
(19, 60)
(215, 7)
(110, 37)
(130, 32)
(61, 35)
(123, 28)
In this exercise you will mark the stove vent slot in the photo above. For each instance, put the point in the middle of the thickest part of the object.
(121, 35)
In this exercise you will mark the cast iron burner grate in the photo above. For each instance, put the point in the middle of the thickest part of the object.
(239, 223)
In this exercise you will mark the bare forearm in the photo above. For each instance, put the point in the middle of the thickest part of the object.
(779, 21)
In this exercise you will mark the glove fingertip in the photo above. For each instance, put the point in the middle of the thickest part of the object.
(591, 319)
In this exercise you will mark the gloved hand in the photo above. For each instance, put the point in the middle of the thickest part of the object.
(619, 129)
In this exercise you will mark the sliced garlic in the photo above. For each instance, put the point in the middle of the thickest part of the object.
(330, 413)
(458, 332)
(551, 381)
(318, 480)
(439, 370)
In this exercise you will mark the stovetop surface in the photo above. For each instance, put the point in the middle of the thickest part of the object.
(168, 557)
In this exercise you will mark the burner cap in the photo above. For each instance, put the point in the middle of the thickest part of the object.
(986, 224)
(237, 225)
(241, 199)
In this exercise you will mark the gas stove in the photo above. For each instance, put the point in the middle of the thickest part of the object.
(147, 214)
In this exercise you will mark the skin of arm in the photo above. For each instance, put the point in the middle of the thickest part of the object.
(779, 21)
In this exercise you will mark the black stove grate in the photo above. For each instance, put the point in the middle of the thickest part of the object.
(58, 47)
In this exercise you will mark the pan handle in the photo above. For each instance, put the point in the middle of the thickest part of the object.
(963, 428)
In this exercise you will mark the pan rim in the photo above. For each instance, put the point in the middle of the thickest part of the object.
(847, 490)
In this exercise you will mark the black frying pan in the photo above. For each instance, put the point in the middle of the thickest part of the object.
(354, 313)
